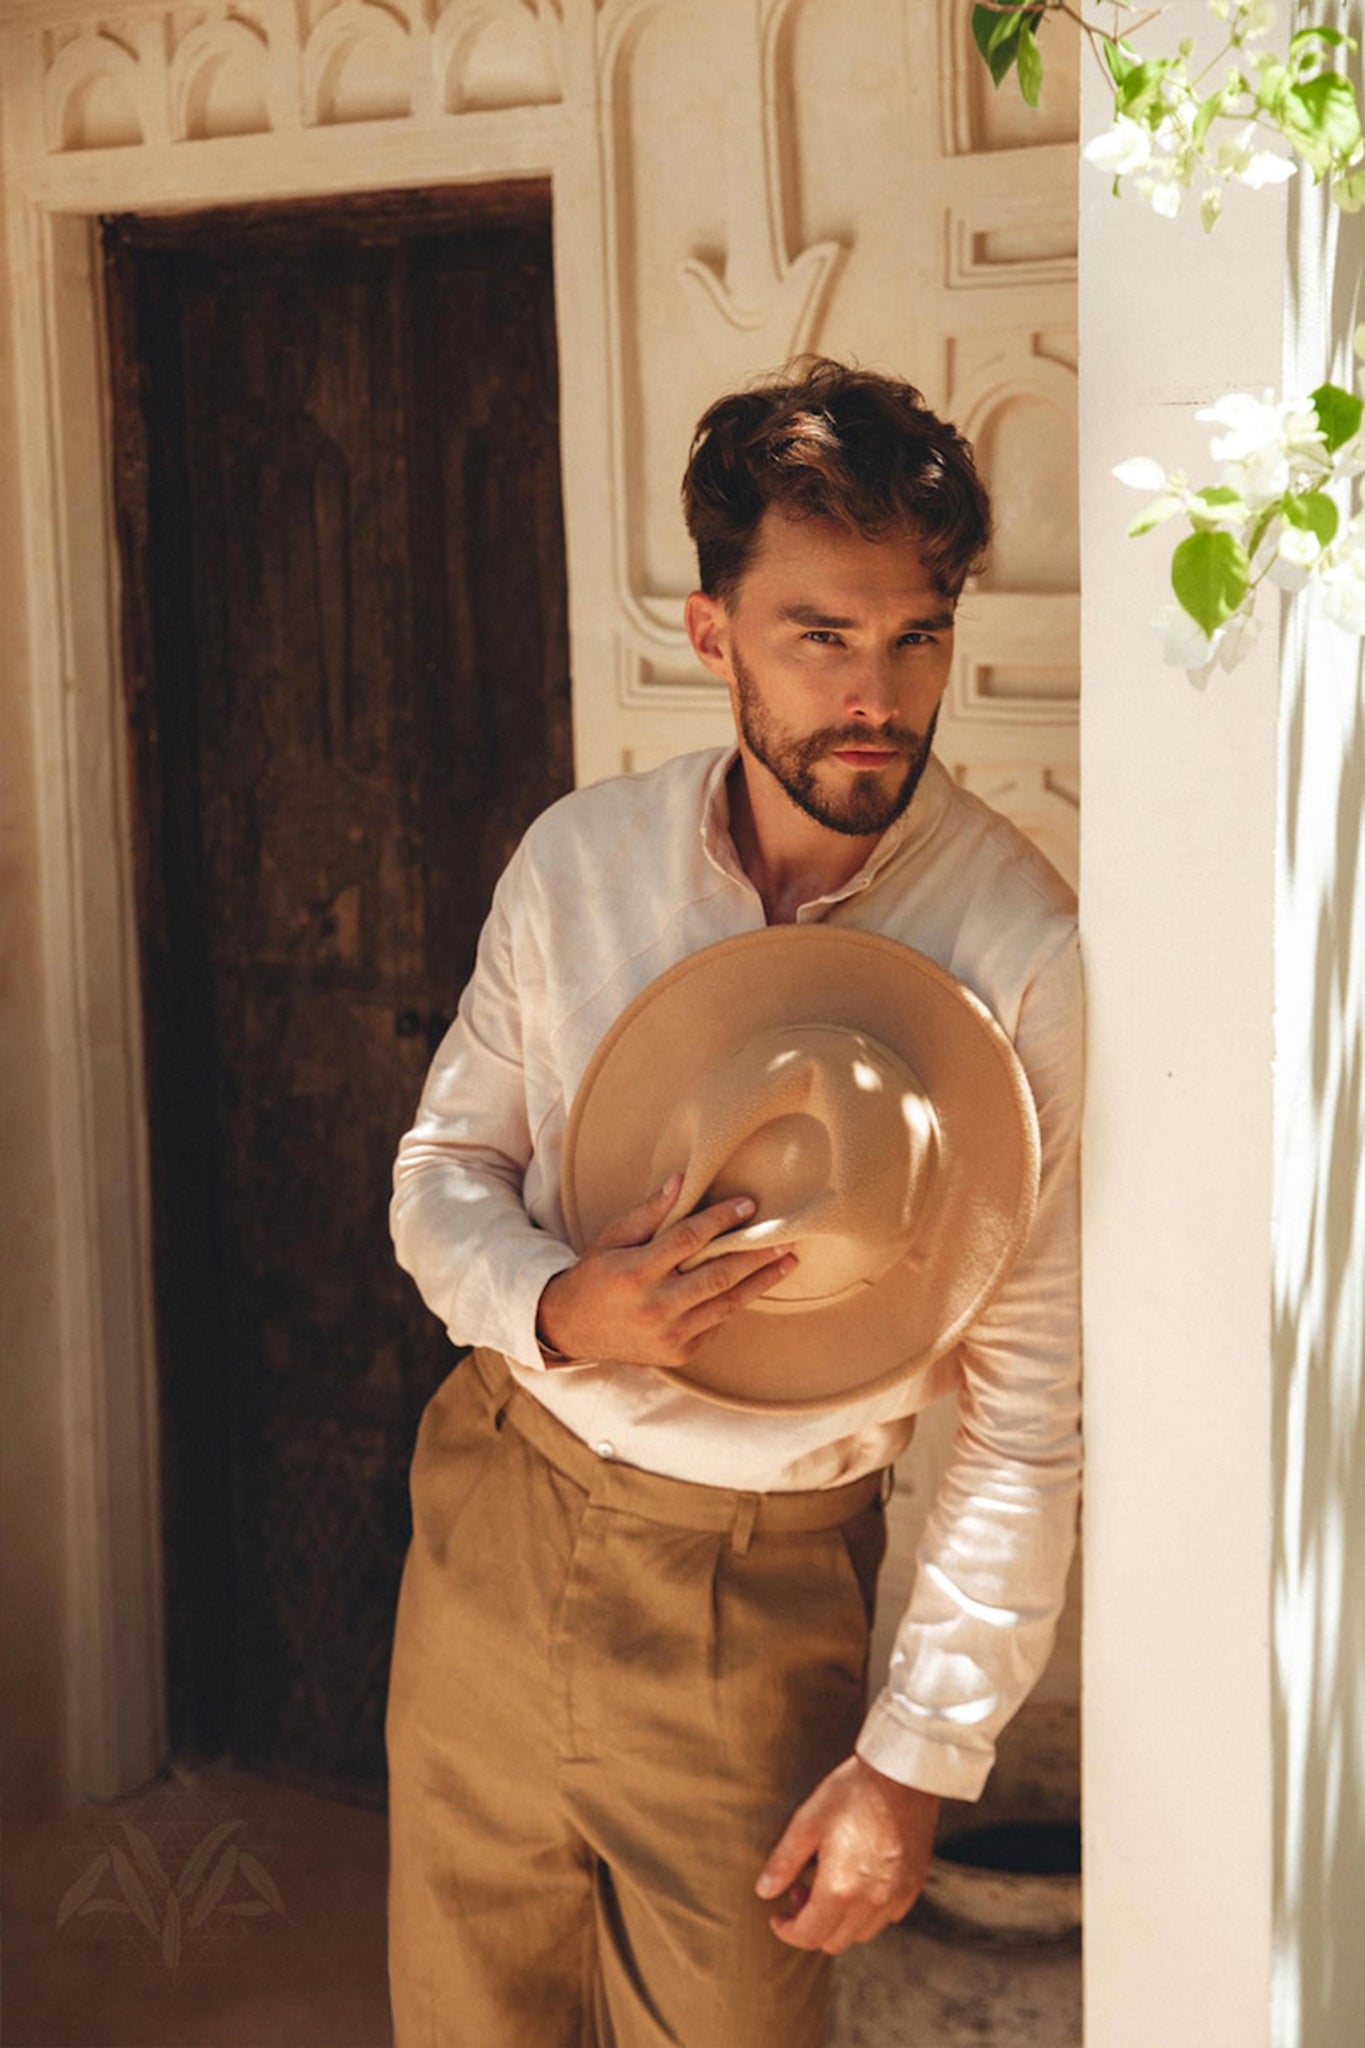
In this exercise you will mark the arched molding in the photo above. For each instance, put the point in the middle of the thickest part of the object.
(200, 59)
(334, 49)
(532, 33)
(94, 59)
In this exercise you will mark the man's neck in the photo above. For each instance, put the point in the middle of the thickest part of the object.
(790, 859)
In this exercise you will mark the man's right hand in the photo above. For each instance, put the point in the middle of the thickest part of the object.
(626, 1298)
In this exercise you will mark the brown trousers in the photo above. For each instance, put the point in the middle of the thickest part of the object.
(609, 1691)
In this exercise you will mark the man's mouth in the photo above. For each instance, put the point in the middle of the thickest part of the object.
(866, 757)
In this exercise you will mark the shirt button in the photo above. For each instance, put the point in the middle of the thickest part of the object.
(605, 1449)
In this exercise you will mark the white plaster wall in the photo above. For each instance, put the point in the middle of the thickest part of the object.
(1319, 1279)
(1177, 873)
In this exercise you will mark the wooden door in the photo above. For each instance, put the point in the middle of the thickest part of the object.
(339, 501)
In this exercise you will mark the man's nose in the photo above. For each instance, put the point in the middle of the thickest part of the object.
(872, 691)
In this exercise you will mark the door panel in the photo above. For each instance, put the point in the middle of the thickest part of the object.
(349, 691)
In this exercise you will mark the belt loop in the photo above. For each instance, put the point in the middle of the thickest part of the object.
(888, 1483)
(742, 1528)
(496, 1385)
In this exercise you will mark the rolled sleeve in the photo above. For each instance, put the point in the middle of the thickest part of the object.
(457, 1217)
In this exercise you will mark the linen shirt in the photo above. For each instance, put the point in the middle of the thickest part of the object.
(608, 889)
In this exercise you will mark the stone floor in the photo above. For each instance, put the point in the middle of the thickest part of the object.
(221, 1910)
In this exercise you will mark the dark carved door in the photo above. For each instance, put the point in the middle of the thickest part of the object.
(338, 487)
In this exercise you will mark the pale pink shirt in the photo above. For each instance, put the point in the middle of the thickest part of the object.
(609, 888)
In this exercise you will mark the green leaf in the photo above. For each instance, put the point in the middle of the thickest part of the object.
(997, 33)
(1159, 510)
(1348, 190)
(1120, 59)
(1314, 511)
(1339, 414)
(1203, 120)
(1322, 111)
(1140, 89)
(1219, 498)
(1210, 575)
(1030, 64)
(1272, 83)
(1302, 37)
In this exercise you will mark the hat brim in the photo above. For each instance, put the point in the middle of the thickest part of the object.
(984, 1192)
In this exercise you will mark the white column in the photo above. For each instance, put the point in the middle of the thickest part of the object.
(1177, 900)
(1319, 1299)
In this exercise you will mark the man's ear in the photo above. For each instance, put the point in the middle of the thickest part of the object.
(708, 628)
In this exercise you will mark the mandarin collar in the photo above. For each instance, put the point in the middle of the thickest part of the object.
(913, 829)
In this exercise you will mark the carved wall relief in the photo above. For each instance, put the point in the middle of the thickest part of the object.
(260, 66)
(94, 94)
(705, 293)
(500, 53)
(220, 81)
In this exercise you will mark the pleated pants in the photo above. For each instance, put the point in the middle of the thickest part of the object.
(609, 1692)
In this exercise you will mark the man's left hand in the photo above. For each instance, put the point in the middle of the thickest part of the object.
(871, 1838)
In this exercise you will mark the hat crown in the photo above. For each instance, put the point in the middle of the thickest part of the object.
(833, 1136)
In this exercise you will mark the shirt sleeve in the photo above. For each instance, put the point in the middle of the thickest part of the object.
(457, 1217)
(991, 1567)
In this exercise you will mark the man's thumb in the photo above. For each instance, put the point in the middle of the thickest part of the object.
(789, 1858)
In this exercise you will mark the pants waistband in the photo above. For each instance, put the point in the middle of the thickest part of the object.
(683, 1503)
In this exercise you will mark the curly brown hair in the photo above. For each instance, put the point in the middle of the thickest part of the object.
(827, 441)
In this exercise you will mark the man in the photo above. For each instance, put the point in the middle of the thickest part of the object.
(631, 1798)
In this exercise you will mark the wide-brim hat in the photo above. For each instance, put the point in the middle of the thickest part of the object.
(873, 1108)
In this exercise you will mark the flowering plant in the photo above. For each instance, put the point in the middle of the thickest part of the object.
(1275, 514)
(1280, 510)
(1174, 125)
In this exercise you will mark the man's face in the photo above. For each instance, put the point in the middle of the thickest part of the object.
(836, 651)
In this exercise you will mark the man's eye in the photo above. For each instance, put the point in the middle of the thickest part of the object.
(918, 639)
(822, 636)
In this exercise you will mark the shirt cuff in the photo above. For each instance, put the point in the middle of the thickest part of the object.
(536, 1269)
(914, 1759)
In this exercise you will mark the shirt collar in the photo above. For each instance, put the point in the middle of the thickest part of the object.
(914, 827)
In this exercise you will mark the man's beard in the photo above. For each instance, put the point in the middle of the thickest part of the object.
(867, 806)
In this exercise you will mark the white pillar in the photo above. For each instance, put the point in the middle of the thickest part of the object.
(1319, 1298)
(1177, 901)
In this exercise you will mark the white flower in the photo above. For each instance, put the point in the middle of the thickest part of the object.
(1265, 168)
(1262, 441)
(1162, 194)
(1343, 592)
(1184, 644)
(1125, 147)
(1255, 18)
(1299, 546)
(1140, 473)
(1253, 425)
(1235, 640)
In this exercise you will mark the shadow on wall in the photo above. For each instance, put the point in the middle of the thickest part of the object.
(1319, 1304)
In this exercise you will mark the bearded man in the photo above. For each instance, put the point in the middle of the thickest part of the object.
(636, 1796)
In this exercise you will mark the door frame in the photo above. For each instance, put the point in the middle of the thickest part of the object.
(115, 1734)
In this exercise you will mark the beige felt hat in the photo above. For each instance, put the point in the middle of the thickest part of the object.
(873, 1108)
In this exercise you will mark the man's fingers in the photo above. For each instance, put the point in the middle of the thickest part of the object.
(639, 1224)
(826, 1923)
(684, 1239)
(728, 1283)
